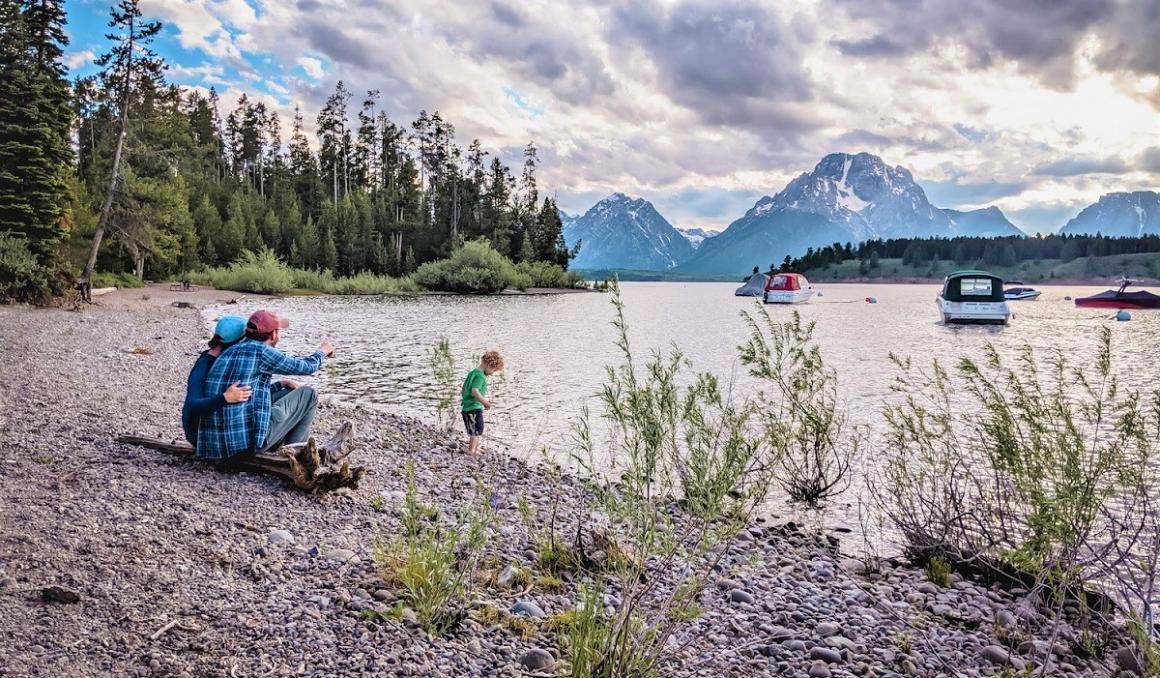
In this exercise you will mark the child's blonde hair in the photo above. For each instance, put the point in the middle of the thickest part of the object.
(493, 361)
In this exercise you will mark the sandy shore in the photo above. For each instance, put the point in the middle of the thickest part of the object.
(181, 570)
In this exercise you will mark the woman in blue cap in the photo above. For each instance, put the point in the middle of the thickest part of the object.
(229, 330)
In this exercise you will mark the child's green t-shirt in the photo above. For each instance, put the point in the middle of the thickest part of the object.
(475, 379)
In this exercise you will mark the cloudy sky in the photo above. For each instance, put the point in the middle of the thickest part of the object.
(1037, 106)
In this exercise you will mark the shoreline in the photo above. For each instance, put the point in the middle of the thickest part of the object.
(257, 577)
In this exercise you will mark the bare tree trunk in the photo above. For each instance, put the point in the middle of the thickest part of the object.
(86, 281)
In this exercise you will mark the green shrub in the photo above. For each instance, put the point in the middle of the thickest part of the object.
(805, 425)
(433, 562)
(121, 280)
(261, 272)
(442, 364)
(22, 278)
(547, 274)
(264, 273)
(474, 268)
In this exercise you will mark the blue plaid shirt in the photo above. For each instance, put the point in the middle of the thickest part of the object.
(240, 427)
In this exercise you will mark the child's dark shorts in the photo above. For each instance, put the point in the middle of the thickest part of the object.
(473, 422)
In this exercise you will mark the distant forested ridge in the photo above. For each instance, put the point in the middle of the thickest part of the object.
(968, 251)
(176, 183)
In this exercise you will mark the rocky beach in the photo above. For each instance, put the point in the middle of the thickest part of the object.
(119, 560)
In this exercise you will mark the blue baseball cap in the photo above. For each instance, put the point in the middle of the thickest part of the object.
(230, 328)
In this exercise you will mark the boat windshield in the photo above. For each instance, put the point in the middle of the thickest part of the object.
(975, 287)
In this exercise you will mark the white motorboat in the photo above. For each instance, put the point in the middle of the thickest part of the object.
(788, 288)
(1021, 293)
(973, 297)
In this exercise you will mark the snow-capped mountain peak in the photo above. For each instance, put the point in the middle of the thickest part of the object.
(628, 233)
(845, 198)
(1118, 214)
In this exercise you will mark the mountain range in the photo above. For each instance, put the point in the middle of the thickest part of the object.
(845, 198)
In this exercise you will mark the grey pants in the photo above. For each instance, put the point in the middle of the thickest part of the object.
(291, 413)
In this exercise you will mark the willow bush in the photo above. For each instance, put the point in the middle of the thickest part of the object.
(814, 443)
(689, 476)
(1032, 468)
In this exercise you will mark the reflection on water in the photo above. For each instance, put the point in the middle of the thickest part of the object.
(557, 347)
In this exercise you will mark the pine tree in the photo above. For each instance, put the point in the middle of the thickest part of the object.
(130, 58)
(35, 120)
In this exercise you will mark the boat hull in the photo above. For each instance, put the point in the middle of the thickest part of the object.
(973, 312)
(788, 297)
(1026, 296)
(1117, 303)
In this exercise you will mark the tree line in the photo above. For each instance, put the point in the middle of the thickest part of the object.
(1008, 251)
(123, 171)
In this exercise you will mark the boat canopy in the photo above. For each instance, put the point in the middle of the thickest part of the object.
(786, 282)
(752, 287)
(973, 286)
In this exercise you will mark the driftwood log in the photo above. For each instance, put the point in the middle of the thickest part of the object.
(311, 467)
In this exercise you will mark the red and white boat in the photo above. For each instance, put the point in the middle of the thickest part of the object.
(788, 288)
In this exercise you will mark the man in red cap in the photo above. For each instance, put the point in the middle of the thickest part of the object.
(277, 413)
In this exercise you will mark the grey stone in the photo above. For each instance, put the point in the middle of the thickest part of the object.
(826, 654)
(995, 654)
(819, 670)
(536, 659)
(1128, 660)
(826, 629)
(527, 608)
(280, 537)
(341, 555)
(739, 596)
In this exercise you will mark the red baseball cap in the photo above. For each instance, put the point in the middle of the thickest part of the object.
(265, 322)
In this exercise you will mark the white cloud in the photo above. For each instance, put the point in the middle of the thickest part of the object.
(312, 66)
(75, 60)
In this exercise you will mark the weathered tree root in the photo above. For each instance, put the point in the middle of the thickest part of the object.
(311, 467)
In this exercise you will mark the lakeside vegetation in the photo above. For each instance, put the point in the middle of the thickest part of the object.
(473, 268)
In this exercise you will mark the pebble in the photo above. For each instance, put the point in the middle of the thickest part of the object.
(536, 659)
(527, 608)
(739, 596)
(341, 556)
(280, 537)
(826, 654)
(819, 670)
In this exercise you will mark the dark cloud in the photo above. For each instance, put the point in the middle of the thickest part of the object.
(1150, 159)
(1076, 166)
(535, 48)
(859, 138)
(955, 192)
(1130, 41)
(1040, 35)
(876, 46)
(506, 15)
(733, 63)
(339, 45)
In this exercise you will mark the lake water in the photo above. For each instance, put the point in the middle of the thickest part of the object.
(557, 347)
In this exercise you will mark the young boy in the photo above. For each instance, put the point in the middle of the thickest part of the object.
(475, 398)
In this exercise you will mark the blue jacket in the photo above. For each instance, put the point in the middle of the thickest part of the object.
(241, 427)
(198, 401)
